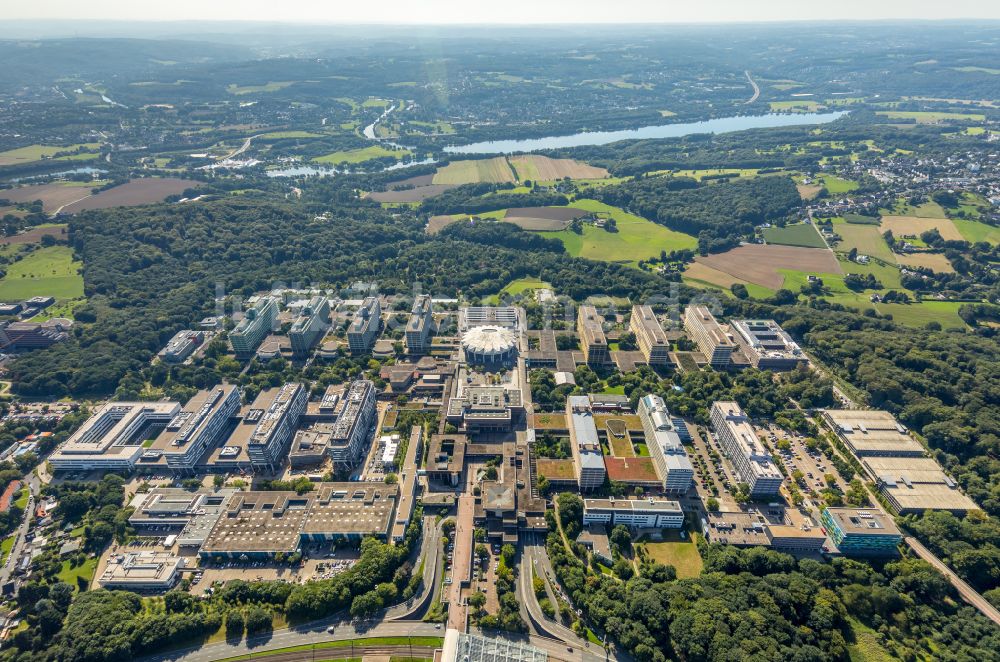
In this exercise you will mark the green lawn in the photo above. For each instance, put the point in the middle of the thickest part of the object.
(520, 285)
(682, 554)
(866, 647)
(800, 234)
(70, 575)
(38, 152)
(277, 135)
(975, 231)
(47, 271)
(919, 314)
(835, 185)
(636, 239)
(5, 547)
(429, 642)
(928, 209)
(22, 498)
(352, 156)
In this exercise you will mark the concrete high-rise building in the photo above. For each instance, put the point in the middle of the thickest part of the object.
(712, 341)
(664, 443)
(649, 335)
(585, 445)
(590, 327)
(752, 461)
(311, 326)
(276, 412)
(418, 328)
(254, 327)
(192, 431)
(766, 345)
(365, 326)
(351, 434)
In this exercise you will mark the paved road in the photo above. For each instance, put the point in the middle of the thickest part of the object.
(311, 633)
(311, 654)
(32, 482)
(430, 553)
(756, 89)
(968, 593)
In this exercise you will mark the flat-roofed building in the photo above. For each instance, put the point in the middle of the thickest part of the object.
(365, 326)
(190, 515)
(862, 531)
(872, 433)
(751, 460)
(256, 324)
(181, 346)
(502, 316)
(192, 431)
(766, 345)
(665, 446)
(916, 484)
(650, 336)
(446, 458)
(277, 412)
(638, 513)
(112, 438)
(142, 571)
(485, 408)
(462, 647)
(262, 524)
(408, 484)
(310, 326)
(351, 435)
(590, 327)
(711, 339)
(584, 443)
(750, 529)
(418, 327)
(20, 336)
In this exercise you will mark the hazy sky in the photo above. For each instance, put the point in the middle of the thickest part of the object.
(497, 11)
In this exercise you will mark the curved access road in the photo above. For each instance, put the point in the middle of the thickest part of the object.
(756, 89)
(430, 555)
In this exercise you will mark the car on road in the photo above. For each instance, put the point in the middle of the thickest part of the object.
(331, 630)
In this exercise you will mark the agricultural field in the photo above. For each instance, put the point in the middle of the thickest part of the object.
(866, 239)
(282, 135)
(495, 170)
(928, 209)
(800, 234)
(636, 239)
(270, 86)
(933, 261)
(354, 156)
(930, 117)
(33, 153)
(763, 264)
(415, 194)
(835, 185)
(919, 314)
(543, 168)
(522, 285)
(50, 271)
(54, 196)
(903, 226)
(975, 231)
(796, 106)
(548, 219)
(136, 192)
(35, 234)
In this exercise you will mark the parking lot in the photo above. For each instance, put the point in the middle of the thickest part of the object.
(813, 464)
(711, 472)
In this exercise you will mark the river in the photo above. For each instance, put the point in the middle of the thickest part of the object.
(721, 125)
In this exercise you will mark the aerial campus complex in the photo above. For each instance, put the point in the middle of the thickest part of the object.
(634, 462)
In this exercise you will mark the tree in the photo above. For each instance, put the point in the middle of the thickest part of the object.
(621, 538)
(259, 620)
(235, 623)
(507, 553)
(712, 504)
(477, 600)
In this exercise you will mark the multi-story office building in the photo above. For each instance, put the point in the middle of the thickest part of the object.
(276, 412)
(584, 443)
(310, 326)
(862, 531)
(752, 461)
(142, 571)
(590, 327)
(112, 438)
(711, 339)
(766, 345)
(192, 431)
(19, 336)
(181, 346)
(254, 327)
(418, 328)
(365, 326)
(637, 513)
(351, 435)
(650, 336)
(664, 443)
(503, 316)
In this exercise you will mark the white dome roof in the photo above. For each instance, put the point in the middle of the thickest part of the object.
(489, 340)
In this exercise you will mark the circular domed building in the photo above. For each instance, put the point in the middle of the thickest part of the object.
(489, 345)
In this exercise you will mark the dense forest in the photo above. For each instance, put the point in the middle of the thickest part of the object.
(719, 214)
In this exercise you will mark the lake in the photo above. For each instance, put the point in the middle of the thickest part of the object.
(721, 125)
